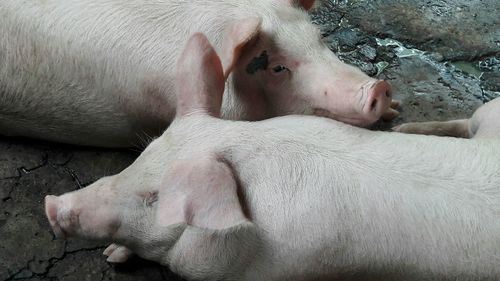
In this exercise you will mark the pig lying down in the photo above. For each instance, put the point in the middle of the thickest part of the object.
(484, 123)
(293, 198)
(102, 72)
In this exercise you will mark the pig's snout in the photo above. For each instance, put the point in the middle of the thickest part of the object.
(361, 104)
(60, 218)
(81, 215)
(378, 97)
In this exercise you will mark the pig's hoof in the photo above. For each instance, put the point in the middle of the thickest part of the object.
(407, 128)
(117, 253)
(390, 115)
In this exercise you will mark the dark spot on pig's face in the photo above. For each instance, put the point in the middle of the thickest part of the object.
(258, 63)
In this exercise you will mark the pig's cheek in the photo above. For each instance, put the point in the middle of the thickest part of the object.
(277, 81)
(99, 225)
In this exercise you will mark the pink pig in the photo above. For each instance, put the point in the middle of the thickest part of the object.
(102, 72)
(293, 198)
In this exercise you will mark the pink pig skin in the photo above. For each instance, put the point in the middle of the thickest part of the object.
(296, 198)
(101, 73)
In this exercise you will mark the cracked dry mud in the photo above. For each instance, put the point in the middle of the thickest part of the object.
(430, 89)
(28, 250)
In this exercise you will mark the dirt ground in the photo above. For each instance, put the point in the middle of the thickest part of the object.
(447, 64)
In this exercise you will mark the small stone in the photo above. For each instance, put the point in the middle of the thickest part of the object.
(367, 68)
(368, 51)
(490, 64)
(436, 56)
(381, 66)
(385, 53)
(348, 38)
(491, 81)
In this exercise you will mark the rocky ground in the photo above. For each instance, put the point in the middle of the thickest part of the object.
(444, 64)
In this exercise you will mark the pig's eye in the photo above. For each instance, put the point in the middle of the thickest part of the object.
(280, 68)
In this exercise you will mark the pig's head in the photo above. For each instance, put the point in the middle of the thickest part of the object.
(280, 65)
(177, 203)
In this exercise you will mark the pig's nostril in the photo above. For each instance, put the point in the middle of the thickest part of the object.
(382, 89)
(373, 105)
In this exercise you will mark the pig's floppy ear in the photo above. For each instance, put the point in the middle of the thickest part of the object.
(201, 192)
(199, 78)
(236, 37)
(304, 4)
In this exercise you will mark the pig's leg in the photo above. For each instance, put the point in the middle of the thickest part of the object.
(454, 128)
(484, 123)
(117, 253)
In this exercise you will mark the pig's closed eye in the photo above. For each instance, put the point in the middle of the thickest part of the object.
(280, 68)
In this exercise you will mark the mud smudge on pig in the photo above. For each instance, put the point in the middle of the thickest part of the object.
(258, 63)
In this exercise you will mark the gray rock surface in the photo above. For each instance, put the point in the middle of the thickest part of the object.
(430, 88)
(458, 29)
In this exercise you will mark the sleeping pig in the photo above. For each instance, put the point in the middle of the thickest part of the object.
(292, 198)
(102, 72)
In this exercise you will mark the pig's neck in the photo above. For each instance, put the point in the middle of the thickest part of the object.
(244, 101)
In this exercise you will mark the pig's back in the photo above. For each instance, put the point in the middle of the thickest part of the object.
(96, 72)
(308, 183)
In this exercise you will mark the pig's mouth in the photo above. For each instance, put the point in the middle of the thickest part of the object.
(367, 106)
(360, 122)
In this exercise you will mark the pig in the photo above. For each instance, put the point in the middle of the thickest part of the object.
(102, 73)
(292, 197)
(484, 123)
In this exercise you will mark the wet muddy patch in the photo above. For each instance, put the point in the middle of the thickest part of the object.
(436, 80)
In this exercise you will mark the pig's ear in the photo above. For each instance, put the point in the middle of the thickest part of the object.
(304, 4)
(199, 78)
(201, 192)
(236, 38)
